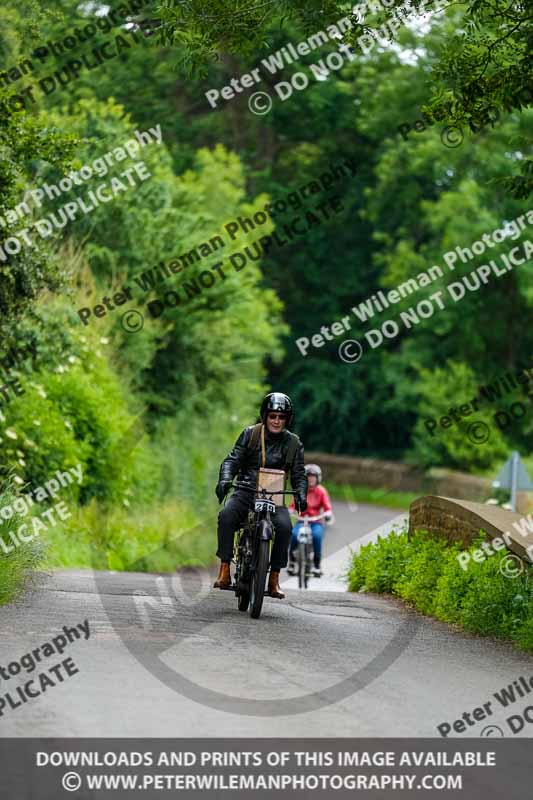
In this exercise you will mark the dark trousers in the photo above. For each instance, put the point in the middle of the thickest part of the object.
(234, 514)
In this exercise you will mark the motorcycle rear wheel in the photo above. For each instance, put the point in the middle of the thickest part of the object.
(244, 601)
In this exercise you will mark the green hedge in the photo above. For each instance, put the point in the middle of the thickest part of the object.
(425, 572)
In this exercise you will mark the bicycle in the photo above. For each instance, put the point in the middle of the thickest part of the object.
(304, 551)
(252, 551)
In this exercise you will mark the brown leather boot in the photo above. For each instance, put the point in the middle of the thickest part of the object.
(273, 586)
(224, 577)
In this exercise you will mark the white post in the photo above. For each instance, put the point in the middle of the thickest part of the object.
(514, 479)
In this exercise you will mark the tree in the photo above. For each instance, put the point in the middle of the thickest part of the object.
(25, 269)
(484, 67)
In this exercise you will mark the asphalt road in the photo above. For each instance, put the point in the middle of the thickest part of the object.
(171, 657)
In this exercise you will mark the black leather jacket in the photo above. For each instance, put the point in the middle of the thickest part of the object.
(244, 463)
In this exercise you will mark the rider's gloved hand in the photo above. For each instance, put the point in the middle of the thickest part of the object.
(222, 489)
(300, 502)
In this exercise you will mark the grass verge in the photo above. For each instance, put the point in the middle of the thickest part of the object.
(16, 570)
(375, 497)
(425, 572)
(17, 559)
(161, 539)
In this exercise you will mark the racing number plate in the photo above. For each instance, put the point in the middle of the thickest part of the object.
(265, 505)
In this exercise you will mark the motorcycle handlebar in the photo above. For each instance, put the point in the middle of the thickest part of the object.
(253, 489)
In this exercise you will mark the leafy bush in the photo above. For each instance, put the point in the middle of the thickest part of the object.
(74, 410)
(25, 142)
(424, 571)
(440, 390)
(378, 567)
(417, 583)
(15, 566)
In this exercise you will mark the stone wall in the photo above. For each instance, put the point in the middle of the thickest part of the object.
(400, 477)
(461, 521)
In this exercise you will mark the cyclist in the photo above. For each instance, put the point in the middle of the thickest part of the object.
(283, 450)
(317, 502)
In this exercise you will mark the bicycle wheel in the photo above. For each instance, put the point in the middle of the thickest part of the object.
(258, 582)
(302, 565)
(307, 564)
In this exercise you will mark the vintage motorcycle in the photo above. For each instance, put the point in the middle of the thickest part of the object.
(252, 551)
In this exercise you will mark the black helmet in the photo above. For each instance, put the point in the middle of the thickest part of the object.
(314, 469)
(275, 401)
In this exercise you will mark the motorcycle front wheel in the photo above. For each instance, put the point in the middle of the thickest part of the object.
(258, 582)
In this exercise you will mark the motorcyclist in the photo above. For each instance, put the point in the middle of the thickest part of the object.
(317, 502)
(244, 462)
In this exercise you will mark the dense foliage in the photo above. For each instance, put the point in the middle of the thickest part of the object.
(192, 377)
(424, 571)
